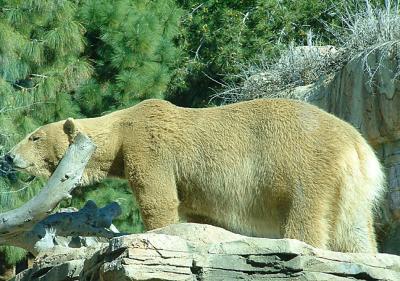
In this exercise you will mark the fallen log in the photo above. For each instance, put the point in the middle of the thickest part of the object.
(71, 229)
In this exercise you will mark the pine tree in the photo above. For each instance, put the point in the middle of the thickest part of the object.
(41, 63)
(41, 46)
(131, 45)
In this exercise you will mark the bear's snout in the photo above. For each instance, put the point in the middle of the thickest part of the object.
(15, 161)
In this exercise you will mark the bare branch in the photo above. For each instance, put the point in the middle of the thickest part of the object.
(60, 185)
(39, 75)
(197, 56)
(9, 109)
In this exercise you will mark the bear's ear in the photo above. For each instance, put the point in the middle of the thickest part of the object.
(70, 128)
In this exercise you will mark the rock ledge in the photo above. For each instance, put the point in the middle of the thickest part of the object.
(203, 252)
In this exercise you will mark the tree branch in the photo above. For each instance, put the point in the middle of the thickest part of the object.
(60, 185)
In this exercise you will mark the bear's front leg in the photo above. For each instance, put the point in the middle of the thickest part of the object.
(158, 200)
(158, 209)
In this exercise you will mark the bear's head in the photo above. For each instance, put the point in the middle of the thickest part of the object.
(39, 152)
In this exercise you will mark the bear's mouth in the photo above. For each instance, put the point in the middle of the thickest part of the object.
(20, 164)
(21, 167)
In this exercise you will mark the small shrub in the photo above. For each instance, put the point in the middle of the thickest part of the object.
(370, 29)
(364, 29)
(297, 66)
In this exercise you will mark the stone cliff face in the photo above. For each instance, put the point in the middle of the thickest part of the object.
(203, 252)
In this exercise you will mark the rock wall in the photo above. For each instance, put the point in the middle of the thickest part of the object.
(203, 252)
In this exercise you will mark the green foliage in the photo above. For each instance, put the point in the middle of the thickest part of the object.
(40, 64)
(131, 45)
(40, 47)
(40, 53)
(13, 254)
(222, 36)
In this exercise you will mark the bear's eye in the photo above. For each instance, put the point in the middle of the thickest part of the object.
(34, 138)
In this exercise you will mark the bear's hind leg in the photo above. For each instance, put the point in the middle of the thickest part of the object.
(307, 222)
(355, 233)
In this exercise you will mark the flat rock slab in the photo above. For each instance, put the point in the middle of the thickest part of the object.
(203, 252)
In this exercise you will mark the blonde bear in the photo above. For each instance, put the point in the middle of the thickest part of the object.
(267, 168)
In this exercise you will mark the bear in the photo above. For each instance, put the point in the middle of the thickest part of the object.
(274, 168)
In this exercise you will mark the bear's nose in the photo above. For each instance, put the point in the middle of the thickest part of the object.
(9, 158)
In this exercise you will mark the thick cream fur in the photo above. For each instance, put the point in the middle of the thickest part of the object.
(269, 168)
